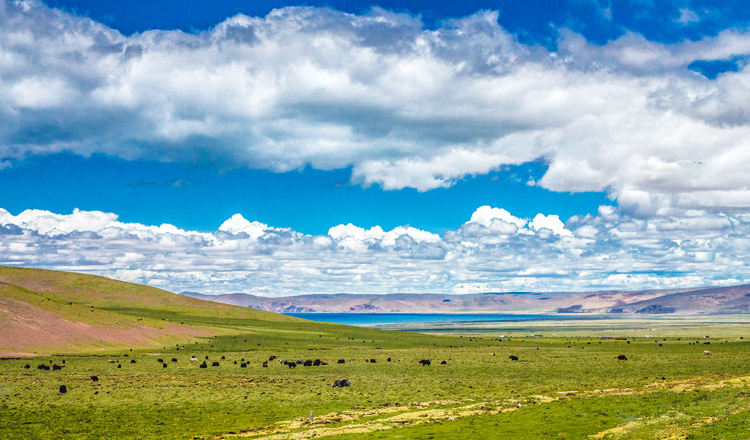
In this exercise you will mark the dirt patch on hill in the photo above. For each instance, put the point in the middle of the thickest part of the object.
(25, 329)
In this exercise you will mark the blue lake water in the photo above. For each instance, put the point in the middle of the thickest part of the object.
(375, 319)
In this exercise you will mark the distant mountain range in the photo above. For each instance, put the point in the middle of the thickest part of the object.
(701, 300)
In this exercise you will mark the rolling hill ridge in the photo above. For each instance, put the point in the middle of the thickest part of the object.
(43, 311)
(689, 301)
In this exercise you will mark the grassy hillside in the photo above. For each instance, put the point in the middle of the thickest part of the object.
(567, 386)
(46, 311)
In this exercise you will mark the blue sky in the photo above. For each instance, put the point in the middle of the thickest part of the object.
(484, 145)
(307, 200)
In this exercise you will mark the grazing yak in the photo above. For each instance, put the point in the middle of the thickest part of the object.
(214, 364)
(340, 383)
(95, 378)
(175, 359)
(444, 363)
(63, 389)
(56, 367)
(317, 363)
(622, 357)
(160, 361)
(308, 363)
(243, 365)
(203, 365)
(425, 362)
(342, 361)
(513, 357)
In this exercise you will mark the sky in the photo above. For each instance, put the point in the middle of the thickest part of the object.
(281, 148)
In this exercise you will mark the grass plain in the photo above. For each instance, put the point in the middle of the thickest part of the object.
(570, 385)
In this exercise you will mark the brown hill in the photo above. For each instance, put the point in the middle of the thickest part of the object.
(710, 300)
(45, 311)
(684, 301)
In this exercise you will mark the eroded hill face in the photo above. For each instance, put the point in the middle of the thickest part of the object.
(689, 301)
(48, 311)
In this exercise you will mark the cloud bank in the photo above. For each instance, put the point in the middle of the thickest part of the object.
(402, 105)
(493, 251)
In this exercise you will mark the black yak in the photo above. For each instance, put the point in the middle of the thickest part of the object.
(425, 362)
(340, 383)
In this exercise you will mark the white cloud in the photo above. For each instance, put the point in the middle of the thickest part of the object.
(237, 224)
(487, 215)
(490, 252)
(551, 223)
(687, 16)
(402, 105)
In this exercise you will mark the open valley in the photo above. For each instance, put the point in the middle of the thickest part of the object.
(625, 379)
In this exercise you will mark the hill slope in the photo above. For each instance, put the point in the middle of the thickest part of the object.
(699, 300)
(734, 299)
(44, 311)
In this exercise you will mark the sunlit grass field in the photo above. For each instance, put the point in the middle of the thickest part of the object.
(566, 386)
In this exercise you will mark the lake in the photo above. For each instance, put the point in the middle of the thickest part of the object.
(377, 319)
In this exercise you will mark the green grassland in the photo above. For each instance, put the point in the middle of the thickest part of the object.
(565, 386)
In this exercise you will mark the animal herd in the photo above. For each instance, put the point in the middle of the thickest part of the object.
(243, 364)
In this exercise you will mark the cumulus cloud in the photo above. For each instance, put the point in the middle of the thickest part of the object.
(492, 251)
(551, 223)
(402, 105)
